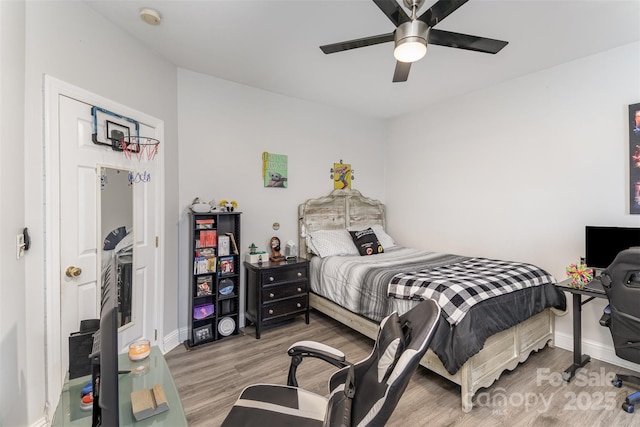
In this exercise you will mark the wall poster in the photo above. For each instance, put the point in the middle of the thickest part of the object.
(341, 176)
(274, 170)
(634, 158)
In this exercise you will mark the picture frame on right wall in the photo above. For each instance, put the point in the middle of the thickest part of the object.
(634, 158)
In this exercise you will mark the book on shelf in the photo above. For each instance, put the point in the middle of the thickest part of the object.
(202, 311)
(205, 252)
(202, 265)
(223, 245)
(233, 243)
(226, 265)
(205, 223)
(208, 238)
(204, 286)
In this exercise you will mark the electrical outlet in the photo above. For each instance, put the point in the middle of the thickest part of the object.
(19, 246)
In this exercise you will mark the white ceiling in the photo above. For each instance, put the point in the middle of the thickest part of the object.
(274, 45)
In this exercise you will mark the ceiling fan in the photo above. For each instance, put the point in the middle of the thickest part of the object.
(413, 33)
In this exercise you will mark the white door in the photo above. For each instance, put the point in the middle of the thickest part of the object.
(81, 237)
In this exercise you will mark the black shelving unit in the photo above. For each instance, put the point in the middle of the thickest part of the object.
(214, 279)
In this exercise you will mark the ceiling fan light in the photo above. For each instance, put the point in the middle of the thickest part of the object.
(410, 51)
(411, 41)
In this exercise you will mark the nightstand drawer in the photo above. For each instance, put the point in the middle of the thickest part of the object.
(285, 307)
(283, 291)
(284, 275)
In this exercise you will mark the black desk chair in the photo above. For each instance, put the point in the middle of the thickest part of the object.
(621, 282)
(365, 393)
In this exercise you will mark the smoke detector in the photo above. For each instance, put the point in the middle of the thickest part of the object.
(150, 16)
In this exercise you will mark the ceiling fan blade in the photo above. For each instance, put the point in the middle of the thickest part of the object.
(394, 12)
(440, 10)
(465, 41)
(402, 72)
(353, 44)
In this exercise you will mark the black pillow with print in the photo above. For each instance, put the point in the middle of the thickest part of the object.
(366, 241)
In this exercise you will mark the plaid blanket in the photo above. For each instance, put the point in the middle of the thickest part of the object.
(459, 286)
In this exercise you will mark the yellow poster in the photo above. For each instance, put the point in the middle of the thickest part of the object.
(341, 176)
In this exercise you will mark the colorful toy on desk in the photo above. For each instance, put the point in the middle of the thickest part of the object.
(86, 397)
(87, 389)
(580, 275)
(86, 403)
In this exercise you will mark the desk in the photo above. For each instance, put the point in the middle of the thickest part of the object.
(592, 290)
(68, 412)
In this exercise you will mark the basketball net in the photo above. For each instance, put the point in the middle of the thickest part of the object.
(144, 148)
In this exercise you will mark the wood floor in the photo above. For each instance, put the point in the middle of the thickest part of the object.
(210, 378)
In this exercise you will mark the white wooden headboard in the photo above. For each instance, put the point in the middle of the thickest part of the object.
(340, 209)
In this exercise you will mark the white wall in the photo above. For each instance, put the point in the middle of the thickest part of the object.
(516, 171)
(225, 127)
(13, 345)
(69, 41)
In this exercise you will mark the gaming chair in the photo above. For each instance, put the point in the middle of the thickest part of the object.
(362, 394)
(621, 282)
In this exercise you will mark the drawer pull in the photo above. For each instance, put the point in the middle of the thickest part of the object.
(271, 295)
(270, 311)
(271, 279)
(299, 289)
(299, 274)
(299, 305)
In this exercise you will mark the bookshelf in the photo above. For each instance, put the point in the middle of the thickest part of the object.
(214, 276)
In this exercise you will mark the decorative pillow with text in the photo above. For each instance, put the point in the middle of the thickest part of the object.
(366, 242)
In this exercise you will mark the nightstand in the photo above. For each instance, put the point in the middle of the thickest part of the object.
(276, 292)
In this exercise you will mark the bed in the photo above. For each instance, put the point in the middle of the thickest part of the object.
(471, 349)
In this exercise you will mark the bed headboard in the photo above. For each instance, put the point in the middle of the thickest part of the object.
(340, 209)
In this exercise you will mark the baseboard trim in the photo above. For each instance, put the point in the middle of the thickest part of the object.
(42, 422)
(596, 350)
(171, 341)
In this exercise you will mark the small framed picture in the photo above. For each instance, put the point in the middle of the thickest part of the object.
(201, 334)
(226, 265)
(204, 286)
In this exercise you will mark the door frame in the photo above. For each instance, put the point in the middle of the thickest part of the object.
(53, 89)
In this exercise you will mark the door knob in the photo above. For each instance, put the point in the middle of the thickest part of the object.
(73, 271)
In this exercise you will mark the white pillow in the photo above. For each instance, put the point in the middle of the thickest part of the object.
(332, 242)
(310, 246)
(385, 240)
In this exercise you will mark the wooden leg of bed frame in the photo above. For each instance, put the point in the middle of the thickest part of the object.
(466, 389)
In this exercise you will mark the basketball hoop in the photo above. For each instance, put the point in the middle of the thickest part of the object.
(144, 148)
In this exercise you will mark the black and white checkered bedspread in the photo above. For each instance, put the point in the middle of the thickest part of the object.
(459, 286)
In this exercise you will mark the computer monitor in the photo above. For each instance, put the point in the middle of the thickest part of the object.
(604, 243)
(106, 409)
